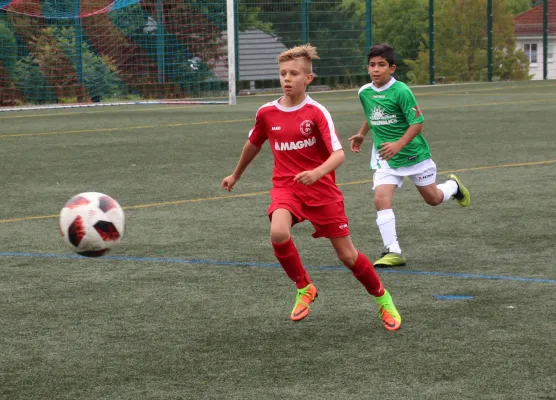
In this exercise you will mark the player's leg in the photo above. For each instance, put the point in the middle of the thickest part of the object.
(359, 265)
(385, 186)
(287, 255)
(284, 247)
(363, 270)
(424, 179)
(434, 194)
(330, 221)
(462, 195)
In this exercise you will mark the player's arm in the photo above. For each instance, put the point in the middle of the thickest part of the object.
(327, 132)
(413, 116)
(390, 149)
(356, 141)
(336, 159)
(248, 154)
(364, 129)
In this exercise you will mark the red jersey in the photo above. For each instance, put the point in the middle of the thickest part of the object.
(301, 139)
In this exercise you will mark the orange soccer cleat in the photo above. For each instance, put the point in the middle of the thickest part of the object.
(303, 301)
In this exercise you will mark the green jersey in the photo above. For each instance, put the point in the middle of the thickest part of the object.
(390, 110)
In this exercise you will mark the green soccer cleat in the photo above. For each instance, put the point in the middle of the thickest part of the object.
(462, 196)
(387, 312)
(390, 259)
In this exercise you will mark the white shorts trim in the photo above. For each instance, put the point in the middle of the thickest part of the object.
(421, 174)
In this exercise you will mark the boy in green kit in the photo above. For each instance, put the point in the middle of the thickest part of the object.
(399, 149)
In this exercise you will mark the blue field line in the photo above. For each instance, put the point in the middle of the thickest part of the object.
(452, 297)
(275, 265)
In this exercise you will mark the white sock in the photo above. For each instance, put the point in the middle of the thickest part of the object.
(449, 188)
(386, 221)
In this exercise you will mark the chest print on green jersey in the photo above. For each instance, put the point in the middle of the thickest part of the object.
(380, 117)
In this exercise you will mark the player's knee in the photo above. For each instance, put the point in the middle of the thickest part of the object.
(348, 257)
(382, 202)
(279, 235)
(433, 200)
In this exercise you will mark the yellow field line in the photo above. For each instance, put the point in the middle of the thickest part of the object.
(124, 128)
(464, 170)
(236, 196)
(248, 119)
(171, 203)
(100, 111)
(432, 94)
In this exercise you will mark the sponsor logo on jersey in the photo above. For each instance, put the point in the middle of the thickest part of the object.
(379, 117)
(276, 128)
(306, 127)
(378, 96)
(301, 144)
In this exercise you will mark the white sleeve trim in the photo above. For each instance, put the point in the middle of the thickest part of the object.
(336, 144)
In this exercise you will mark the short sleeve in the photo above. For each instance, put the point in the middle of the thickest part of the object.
(258, 134)
(410, 108)
(325, 125)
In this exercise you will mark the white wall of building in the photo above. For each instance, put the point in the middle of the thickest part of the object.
(533, 47)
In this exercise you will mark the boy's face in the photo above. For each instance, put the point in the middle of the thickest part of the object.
(380, 71)
(294, 77)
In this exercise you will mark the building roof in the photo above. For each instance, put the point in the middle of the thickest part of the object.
(530, 23)
(257, 56)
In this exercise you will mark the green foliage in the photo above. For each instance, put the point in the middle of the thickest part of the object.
(400, 23)
(54, 58)
(100, 73)
(30, 80)
(8, 46)
(249, 18)
(403, 24)
(517, 6)
(461, 45)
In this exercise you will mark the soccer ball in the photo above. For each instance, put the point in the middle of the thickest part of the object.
(92, 223)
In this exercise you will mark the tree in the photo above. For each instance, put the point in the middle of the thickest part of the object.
(402, 24)
(461, 44)
(9, 95)
(8, 45)
(517, 6)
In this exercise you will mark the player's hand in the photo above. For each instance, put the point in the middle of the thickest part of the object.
(229, 182)
(307, 177)
(389, 149)
(355, 143)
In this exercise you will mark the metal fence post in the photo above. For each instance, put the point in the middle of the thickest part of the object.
(160, 43)
(545, 39)
(305, 21)
(236, 41)
(368, 23)
(489, 40)
(78, 43)
(431, 42)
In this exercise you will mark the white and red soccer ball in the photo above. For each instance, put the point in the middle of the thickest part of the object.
(92, 223)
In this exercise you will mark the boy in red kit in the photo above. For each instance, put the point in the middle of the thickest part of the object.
(306, 152)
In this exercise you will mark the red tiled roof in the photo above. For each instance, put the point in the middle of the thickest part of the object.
(529, 23)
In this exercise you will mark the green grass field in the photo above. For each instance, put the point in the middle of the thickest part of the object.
(192, 305)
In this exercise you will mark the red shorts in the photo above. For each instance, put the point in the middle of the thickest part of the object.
(330, 220)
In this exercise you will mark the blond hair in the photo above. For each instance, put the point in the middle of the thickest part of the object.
(304, 52)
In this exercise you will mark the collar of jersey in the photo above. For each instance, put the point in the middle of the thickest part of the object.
(294, 108)
(383, 88)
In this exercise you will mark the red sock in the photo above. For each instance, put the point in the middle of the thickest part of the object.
(365, 273)
(288, 256)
